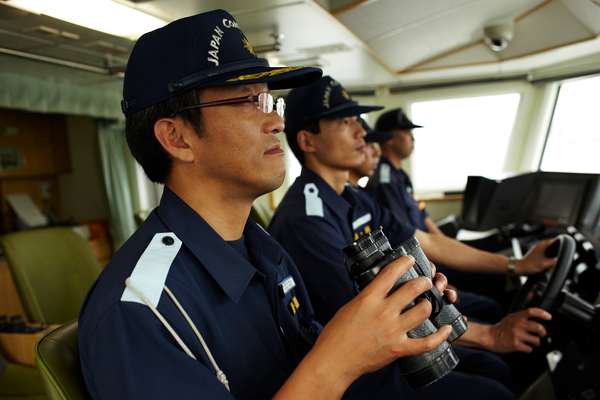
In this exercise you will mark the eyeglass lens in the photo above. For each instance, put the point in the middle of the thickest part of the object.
(266, 103)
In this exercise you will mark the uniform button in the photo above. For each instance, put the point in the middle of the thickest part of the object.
(168, 240)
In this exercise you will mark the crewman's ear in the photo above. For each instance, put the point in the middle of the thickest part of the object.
(306, 141)
(172, 134)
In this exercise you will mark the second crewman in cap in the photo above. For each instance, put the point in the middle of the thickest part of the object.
(390, 184)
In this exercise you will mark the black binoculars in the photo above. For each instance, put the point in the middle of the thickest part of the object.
(369, 255)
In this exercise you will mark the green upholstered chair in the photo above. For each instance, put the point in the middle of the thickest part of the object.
(53, 269)
(19, 382)
(58, 361)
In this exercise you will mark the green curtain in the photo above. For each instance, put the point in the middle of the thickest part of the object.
(115, 154)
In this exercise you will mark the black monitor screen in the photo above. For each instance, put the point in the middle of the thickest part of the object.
(476, 199)
(508, 202)
(559, 198)
(590, 215)
(551, 198)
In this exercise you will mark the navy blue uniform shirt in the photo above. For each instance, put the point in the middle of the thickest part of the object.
(393, 190)
(313, 223)
(255, 321)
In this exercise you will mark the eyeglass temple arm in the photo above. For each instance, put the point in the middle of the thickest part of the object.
(235, 100)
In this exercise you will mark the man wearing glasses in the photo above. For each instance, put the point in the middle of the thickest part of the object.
(200, 302)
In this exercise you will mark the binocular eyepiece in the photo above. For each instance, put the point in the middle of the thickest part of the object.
(369, 255)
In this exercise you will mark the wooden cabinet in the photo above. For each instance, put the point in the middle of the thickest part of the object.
(33, 152)
(38, 140)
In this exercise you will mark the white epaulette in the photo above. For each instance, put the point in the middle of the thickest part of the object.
(384, 174)
(360, 221)
(312, 202)
(151, 270)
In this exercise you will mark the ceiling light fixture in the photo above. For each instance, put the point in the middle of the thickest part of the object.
(102, 15)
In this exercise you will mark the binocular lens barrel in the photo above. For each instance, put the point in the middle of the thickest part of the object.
(369, 255)
(447, 314)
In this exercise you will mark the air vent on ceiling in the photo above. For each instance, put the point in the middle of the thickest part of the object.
(314, 61)
(327, 49)
(69, 35)
(45, 30)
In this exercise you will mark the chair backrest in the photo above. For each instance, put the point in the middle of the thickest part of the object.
(20, 382)
(58, 361)
(53, 269)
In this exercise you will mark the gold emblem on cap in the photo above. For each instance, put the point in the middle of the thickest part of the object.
(248, 46)
(263, 74)
(345, 94)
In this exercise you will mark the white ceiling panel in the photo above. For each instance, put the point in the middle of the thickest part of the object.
(310, 33)
(544, 61)
(549, 27)
(477, 53)
(170, 10)
(424, 38)
(587, 11)
(375, 19)
(378, 42)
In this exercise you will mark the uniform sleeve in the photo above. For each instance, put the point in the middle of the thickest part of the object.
(130, 355)
(316, 248)
(388, 196)
(395, 230)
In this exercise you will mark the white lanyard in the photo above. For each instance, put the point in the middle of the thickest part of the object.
(219, 372)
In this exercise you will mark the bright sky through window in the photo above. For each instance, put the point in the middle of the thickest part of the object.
(574, 140)
(461, 137)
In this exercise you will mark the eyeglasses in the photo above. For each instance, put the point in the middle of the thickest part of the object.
(264, 102)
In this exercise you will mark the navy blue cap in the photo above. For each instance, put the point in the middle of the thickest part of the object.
(394, 119)
(374, 136)
(325, 98)
(199, 51)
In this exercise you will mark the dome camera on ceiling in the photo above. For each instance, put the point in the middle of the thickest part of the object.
(498, 35)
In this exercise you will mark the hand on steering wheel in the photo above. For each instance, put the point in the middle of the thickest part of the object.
(519, 331)
(536, 260)
(542, 289)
